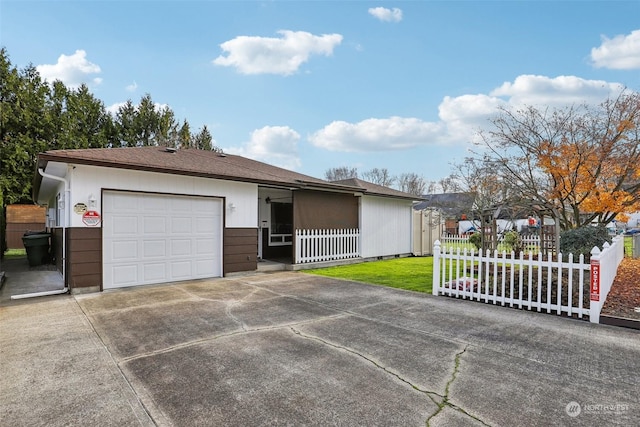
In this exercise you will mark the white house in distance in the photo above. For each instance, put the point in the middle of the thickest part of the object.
(132, 216)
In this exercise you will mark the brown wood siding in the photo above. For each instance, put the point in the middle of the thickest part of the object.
(321, 210)
(240, 250)
(15, 231)
(84, 257)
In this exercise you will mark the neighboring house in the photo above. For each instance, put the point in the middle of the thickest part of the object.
(133, 216)
(454, 207)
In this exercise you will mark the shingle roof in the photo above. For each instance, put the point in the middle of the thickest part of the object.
(452, 204)
(375, 189)
(191, 162)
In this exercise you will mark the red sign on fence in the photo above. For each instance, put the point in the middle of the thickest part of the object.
(595, 280)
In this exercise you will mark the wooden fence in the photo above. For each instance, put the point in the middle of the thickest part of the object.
(552, 283)
(326, 245)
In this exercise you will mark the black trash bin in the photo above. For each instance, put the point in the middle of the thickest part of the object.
(37, 246)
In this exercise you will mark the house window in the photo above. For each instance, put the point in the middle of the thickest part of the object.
(281, 230)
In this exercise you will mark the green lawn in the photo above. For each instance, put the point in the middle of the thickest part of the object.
(413, 273)
(15, 253)
(628, 246)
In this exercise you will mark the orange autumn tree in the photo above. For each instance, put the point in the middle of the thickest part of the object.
(578, 164)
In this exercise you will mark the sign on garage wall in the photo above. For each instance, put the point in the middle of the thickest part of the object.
(91, 218)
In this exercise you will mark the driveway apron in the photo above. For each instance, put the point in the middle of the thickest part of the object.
(295, 349)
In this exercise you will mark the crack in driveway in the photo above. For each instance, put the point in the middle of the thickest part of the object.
(445, 398)
(428, 393)
(440, 400)
(187, 344)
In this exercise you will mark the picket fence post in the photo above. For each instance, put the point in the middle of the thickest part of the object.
(595, 305)
(436, 268)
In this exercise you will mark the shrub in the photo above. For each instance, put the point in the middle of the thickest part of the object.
(513, 241)
(581, 240)
(476, 240)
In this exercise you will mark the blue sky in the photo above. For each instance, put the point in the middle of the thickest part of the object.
(311, 85)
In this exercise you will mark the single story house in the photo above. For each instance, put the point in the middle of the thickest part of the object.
(132, 216)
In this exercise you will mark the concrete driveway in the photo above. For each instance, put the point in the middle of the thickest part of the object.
(295, 349)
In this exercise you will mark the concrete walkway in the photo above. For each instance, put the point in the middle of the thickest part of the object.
(294, 349)
(20, 279)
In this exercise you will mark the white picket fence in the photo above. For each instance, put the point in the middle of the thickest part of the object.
(535, 282)
(326, 245)
(530, 241)
(455, 240)
(604, 266)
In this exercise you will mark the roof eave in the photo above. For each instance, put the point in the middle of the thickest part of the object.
(44, 158)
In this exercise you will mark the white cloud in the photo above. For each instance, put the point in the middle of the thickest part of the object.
(556, 92)
(72, 70)
(132, 87)
(386, 15)
(276, 145)
(394, 133)
(268, 55)
(619, 53)
(461, 117)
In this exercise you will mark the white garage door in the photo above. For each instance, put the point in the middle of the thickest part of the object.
(157, 238)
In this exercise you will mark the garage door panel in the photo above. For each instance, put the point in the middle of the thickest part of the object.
(205, 225)
(154, 203)
(154, 248)
(206, 246)
(181, 225)
(124, 225)
(120, 250)
(180, 247)
(152, 238)
(124, 275)
(153, 272)
(205, 269)
(181, 270)
(208, 206)
(181, 205)
(122, 204)
(154, 224)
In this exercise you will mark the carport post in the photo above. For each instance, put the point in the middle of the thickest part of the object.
(436, 268)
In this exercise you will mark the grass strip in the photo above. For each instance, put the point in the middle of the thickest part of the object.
(412, 273)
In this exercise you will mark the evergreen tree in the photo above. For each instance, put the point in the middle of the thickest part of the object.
(203, 140)
(184, 135)
(125, 124)
(24, 128)
(146, 122)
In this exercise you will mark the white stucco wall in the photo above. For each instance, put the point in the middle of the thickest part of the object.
(385, 226)
(91, 180)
